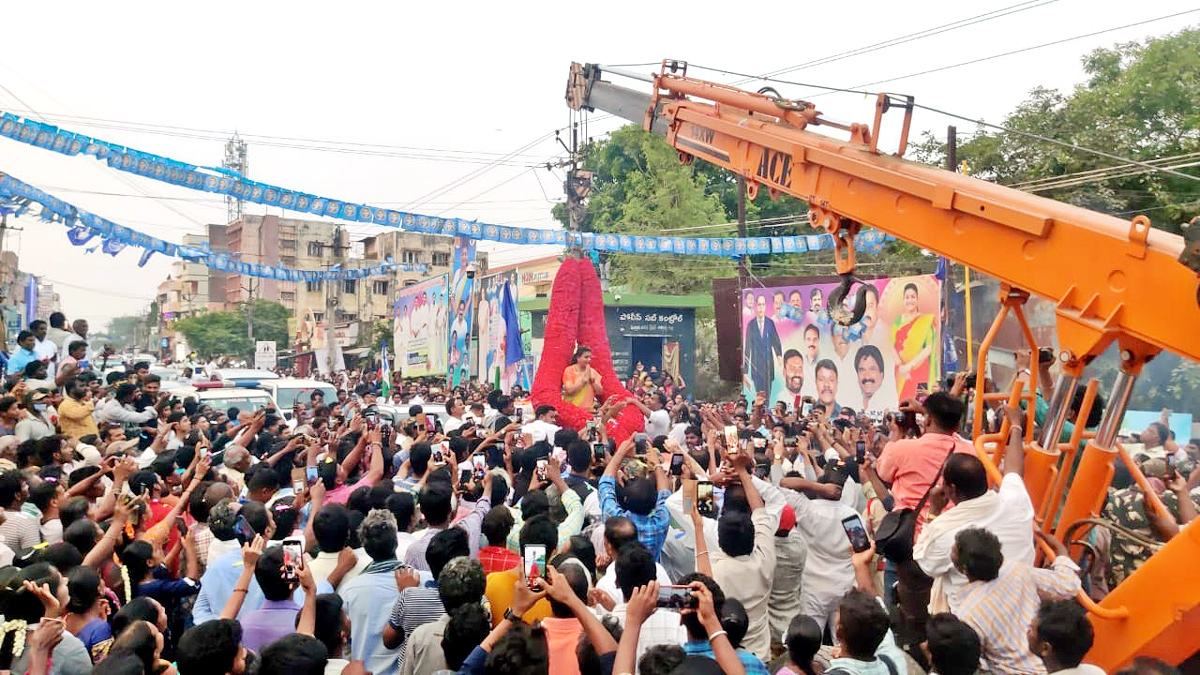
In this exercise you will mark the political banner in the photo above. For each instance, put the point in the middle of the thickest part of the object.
(265, 355)
(419, 322)
(493, 333)
(461, 311)
(792, 349)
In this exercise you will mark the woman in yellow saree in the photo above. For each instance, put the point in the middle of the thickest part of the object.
(912, 338)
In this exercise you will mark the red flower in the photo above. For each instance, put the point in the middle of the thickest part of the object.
(576, 317)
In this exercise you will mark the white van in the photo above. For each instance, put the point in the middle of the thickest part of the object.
(288, 391)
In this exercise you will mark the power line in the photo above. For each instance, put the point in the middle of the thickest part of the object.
(911, 37)
(1026, 49)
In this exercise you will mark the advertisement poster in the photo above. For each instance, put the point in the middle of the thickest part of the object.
(419, 322)
(791, 349)
(493, 333)
(462, 312)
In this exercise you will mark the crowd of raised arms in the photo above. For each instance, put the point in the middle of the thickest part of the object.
(143, 533)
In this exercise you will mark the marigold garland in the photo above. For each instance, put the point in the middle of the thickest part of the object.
(576, 317)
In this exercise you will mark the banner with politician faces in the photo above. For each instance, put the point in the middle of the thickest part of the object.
(791, 348)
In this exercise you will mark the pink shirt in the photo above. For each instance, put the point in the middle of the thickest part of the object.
(910, 464)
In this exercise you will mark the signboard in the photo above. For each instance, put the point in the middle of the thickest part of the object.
(791, 348)
(345, 334)
(650, 321)
(419, 324)
(461, 312)
(264, 355)
(536, 277)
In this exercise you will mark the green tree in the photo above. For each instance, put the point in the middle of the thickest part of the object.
(123, 330)
(213, 334)
(1139, 101)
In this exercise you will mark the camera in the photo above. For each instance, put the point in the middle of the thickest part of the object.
(970, 384)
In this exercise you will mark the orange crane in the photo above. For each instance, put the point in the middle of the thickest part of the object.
(1112, 281)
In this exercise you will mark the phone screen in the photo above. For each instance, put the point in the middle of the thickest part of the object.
(806, 409)
(676, 465)
(731, 439)
(704, 498)
(759, 443)
(860, 451)
(535, 562)
(293, 557)
(464, 475)
(541, 468)
(310, 474)
(598, 450)
(857, 534)
(640, 443)
(675, 597)
(479, 463)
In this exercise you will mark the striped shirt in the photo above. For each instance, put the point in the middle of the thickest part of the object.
(1001, 611)
(414, 608)
(20, 530)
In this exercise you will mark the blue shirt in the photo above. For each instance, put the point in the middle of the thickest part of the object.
(752, 664)
(275, 619)
(21, 358)
(369, 598)
(651, 529)
(217, 585)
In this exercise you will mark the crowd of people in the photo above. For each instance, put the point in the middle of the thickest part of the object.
(147, 534)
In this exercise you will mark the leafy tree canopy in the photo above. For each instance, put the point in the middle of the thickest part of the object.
(213, 334)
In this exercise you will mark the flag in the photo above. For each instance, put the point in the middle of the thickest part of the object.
(514, 350)
(385, 372)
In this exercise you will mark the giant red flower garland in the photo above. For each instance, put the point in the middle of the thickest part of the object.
(576, 317)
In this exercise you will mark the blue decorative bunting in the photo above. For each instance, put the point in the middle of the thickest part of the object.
(222, 181)
(85, 226)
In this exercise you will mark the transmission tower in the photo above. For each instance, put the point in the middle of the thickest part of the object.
(235, 160)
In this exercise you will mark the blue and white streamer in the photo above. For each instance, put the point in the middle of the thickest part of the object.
(85, 226)
(222, 181)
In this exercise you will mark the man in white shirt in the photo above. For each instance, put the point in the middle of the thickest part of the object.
(454, 414)
(658, 420)
(1007, 513)
(45, 349)
(635, 567)
(543, 427)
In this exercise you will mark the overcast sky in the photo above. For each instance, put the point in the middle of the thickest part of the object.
(418, 85)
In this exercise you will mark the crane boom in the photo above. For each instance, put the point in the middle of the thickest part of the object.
(1110, 278)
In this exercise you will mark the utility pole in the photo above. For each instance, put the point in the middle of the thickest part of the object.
(332, 291)
(743, 261)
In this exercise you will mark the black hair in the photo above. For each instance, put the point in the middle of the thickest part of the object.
(268, 572)
(62, 555)
(966, 473)
(142, 482)
(15, 603)
(328, 626)
(825, 364)
(869, 352)
(294, 654)
(78, 475)
(953, 645)
(579, 455)
(583, 550)
(41, 495)
(639, 495)
(945, 410)
(534, 504)
(139, 641)
(255, 514)
(978, 553)
(121, 664)
(522, 649)
(734, 621)
(1064, 626)
(579, 351)
(691, 621)
(661, 660)
(445, 546)
(802, 639)
(1097, 411)
(403, 506)
(469, 624)
(83, 588)
(331, 528)
(862, 624)
(435, 503)
(418, 458)
(497, 525)
(136, 559)
(81, 534)
(359, 500)
(735, 532)
(139, 609)
(11, 483)
(635, 567)
(539, 530)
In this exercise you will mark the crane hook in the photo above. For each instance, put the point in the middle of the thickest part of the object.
(836, 307)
